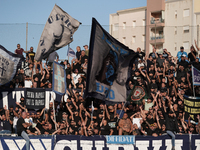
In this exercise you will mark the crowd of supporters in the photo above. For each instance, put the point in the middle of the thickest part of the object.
(166, 79)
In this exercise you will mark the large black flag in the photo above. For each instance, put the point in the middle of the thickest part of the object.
(9, 64)
(108, 64)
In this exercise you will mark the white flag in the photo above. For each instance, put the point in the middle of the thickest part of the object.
(71, 53)
(57, 33)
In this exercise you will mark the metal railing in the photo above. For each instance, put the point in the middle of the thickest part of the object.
(157, 20)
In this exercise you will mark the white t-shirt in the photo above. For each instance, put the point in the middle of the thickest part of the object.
(27, 84)
(137, 121)
(75, 77)
(28, 120)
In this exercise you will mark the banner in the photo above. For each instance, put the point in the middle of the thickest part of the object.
(108, 66)
(137, 94)
(196, 76)
(59, 85)
(163, 142)
(9, 97)
(120, 139)
(191, 106)
(75, 142)
(195, 142)
(35, 98)
(71, 53)
(57, 33)
(9, 64)
(18, 143)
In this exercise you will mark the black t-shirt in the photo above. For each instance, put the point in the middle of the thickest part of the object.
(113, 125)
(37, 75)
(69, 81)
(68, 71)
(76, 119)
(75, 129)
(5, 125)
(141, 54)
(83, 59)
(191, 57)
(105, 130)
(32, 55)
(20, 127)
(76, 66)
(153, 55)
(77, 85)
(78, 54)
(11, 115)
(44, 81)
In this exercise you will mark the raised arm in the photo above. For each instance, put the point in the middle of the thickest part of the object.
(196, 45)
(70, 111)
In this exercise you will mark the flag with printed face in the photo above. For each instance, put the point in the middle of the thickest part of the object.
(108, 65)
(57, 33)
(59, 85)
(9, 64)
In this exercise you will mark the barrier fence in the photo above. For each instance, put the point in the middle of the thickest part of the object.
(75, 142)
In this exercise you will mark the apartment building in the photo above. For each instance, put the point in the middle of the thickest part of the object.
(128, 26)
(168, 24)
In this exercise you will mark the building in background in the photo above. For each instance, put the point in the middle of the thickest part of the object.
(155, 25)
(181, 25)
(128, 26)
(168, 24)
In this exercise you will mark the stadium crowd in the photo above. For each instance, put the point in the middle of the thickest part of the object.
(166, 79)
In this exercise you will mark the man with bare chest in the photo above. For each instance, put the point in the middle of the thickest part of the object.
(125, 125)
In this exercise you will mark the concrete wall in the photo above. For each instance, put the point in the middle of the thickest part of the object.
(127, 32)
(174, 23)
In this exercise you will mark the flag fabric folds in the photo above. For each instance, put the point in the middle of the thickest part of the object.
(71, 53)
(137, 94)
(196, 76)
(9, 64)
(57, 33)
(108, 65)
(59, 85)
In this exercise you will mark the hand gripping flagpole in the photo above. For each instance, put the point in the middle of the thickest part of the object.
(121, 111)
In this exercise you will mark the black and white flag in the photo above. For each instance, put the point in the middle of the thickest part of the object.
(9, 64)
(108, 65)
(58, 32)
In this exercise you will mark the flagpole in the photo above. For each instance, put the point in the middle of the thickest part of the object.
(68, 52)
(193, 81)
(121, 110)
(92, 112)
(54, 114)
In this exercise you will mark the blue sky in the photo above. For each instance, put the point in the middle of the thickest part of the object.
(15, 13)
